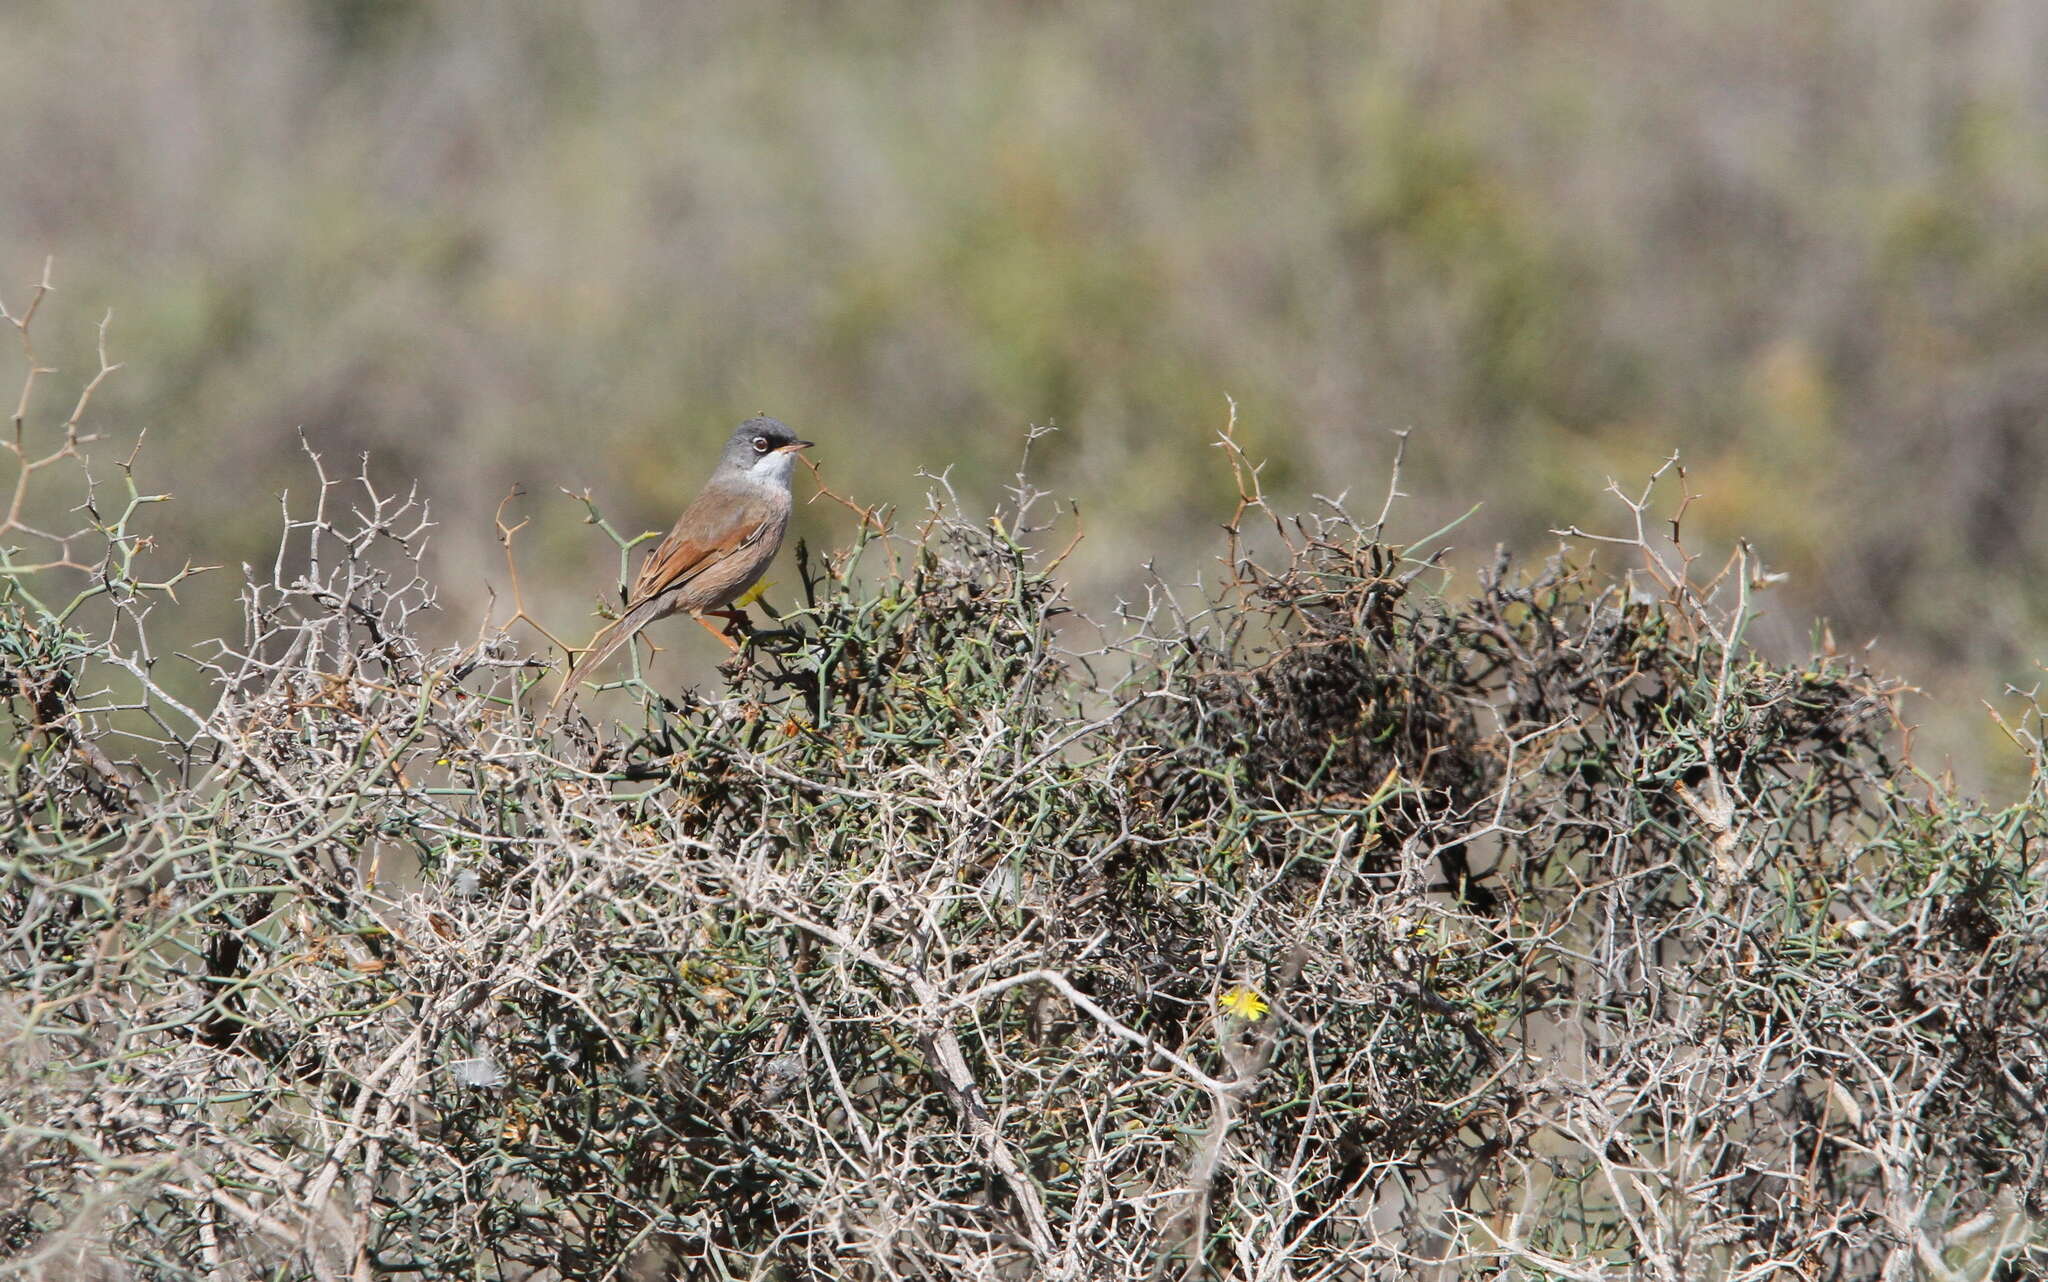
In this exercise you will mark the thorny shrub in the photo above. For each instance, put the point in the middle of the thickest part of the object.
(1315, 924)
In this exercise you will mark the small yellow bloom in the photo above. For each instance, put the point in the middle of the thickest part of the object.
(1409, 928)
(1244, 1003)
(752, 594)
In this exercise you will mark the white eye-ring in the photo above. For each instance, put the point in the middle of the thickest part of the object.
(761, 444)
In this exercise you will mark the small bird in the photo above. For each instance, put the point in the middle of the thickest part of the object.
(718, 549)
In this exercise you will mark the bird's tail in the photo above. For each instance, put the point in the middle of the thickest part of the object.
(605, 644)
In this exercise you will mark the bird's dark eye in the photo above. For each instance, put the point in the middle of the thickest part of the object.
(761, 444)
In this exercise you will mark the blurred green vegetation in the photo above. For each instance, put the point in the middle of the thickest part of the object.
(567, 245)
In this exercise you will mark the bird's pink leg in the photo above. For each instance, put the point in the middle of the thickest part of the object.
(730, 616)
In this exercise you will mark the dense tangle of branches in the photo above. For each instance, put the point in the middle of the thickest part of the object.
(1315, 924)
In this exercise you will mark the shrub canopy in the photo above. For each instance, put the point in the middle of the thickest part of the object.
(1315, 924)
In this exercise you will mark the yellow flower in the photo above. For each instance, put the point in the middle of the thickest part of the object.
(752, 595)
(1245, 1004)
(1409, 928)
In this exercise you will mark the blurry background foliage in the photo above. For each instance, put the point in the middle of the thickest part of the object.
(569, 244)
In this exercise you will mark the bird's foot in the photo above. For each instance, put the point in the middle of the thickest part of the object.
(734, 621)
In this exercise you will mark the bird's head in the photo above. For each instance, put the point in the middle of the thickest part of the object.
(762, 450)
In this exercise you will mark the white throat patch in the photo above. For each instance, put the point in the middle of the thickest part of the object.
(773, 471)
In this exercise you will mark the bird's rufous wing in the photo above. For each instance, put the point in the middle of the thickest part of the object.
(704, 535)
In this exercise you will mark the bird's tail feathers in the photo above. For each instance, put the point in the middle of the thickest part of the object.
(605, 644)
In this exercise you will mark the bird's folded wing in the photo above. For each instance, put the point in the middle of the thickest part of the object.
(704, 536)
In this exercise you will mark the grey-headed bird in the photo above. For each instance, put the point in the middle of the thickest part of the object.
(718, 549)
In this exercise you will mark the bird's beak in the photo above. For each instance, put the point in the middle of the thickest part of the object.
(794, 446)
